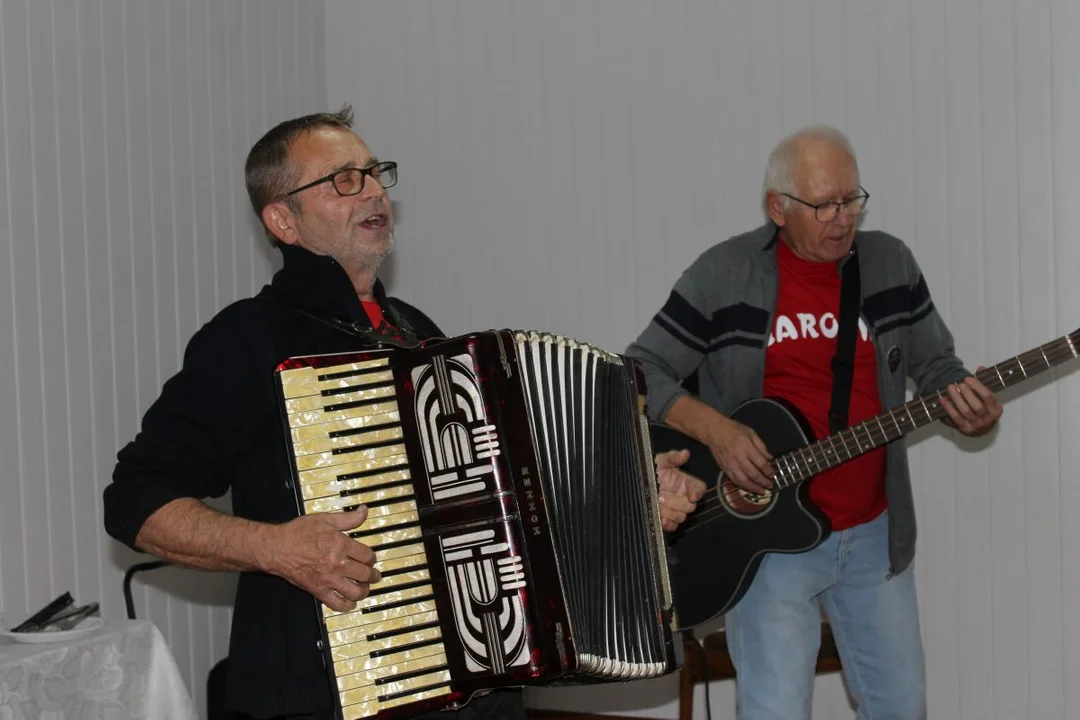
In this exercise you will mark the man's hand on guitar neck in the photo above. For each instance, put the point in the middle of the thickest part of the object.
(737, 449)
(972, 407)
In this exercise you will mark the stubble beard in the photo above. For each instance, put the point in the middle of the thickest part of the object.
(372, 260)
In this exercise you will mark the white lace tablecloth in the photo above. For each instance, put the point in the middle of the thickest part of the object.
(120, 671)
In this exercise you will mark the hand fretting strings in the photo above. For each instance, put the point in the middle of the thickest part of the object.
(798, 465)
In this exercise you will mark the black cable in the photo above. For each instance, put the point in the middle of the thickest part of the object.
(705, 673)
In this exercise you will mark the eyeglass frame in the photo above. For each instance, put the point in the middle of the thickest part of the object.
(365, 173)
(864, 196)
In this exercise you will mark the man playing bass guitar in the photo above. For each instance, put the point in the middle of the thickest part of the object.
(759, 315)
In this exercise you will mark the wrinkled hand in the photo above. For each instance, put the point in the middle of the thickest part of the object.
(972, 407)
(313, 553)
(679, 491)
(742, 455)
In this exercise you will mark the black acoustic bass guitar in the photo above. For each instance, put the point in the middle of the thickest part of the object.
(715, 554)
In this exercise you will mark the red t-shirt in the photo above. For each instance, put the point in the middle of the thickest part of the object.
(382, 327)
(797, 368)
(374, 312)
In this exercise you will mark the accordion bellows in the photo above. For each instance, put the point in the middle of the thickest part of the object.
(512, 509)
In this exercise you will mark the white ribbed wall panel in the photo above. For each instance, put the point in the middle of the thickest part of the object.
(124, 225)
(562, 162)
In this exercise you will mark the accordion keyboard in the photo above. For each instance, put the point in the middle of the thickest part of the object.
(347, 444)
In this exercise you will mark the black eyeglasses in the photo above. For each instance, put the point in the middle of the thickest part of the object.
(350, 181)
(828, 210)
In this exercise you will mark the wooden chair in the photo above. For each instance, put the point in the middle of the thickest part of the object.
(720, 666)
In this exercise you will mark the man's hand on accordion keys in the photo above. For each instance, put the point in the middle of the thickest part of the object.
(314, 553)
(679, 491)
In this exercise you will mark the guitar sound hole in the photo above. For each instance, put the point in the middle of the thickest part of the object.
(742, 502)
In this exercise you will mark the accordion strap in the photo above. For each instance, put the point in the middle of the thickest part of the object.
(381, 336)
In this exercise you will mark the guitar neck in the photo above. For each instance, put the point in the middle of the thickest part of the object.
(799, 465)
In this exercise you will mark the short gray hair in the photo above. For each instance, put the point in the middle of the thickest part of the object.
(267, 171)
(780, 170)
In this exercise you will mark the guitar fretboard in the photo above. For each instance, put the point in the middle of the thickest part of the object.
(799, 465)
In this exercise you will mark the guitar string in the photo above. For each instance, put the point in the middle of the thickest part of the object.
(1046, 357)
(817, 453)
(814, 457)
(814, 460)
(713, 504)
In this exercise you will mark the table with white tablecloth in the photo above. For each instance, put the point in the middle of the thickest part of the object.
(122, 671)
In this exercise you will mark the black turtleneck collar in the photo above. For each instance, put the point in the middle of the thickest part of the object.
(320, 284)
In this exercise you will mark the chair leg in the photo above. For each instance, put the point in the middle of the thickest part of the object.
(686, 695)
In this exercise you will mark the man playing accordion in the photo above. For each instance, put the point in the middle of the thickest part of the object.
(320, 193)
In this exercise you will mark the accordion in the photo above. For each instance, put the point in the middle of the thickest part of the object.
(512, 508)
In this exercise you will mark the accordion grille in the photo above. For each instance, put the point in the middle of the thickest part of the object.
(600, 489)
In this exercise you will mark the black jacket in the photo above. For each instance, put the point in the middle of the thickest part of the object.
(216, 427)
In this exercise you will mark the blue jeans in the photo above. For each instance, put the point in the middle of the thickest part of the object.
(774, 632)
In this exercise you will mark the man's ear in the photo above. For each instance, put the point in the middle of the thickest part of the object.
(280, 221)
(774, 206)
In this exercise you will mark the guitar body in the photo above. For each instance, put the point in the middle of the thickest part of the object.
(715, 554)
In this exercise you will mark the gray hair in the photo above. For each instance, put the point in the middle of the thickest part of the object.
(780, 170)
(267, 172)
